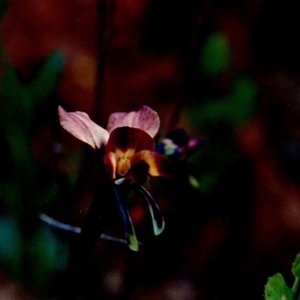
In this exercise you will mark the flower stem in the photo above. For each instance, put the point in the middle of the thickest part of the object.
(296, 289)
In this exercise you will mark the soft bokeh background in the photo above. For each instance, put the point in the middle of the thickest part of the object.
(226, 71)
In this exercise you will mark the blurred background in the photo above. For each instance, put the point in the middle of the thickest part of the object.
(227, 72)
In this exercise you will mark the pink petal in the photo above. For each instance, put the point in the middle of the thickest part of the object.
(145, 119)
(82, 127)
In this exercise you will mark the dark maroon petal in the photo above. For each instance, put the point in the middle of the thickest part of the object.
(125, 138)
(159, 165)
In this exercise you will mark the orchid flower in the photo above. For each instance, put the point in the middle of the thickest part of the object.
(129, 156)
(128, 141)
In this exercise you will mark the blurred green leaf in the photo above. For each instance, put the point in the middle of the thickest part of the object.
(45, 253)
(19, 102)
(207, 182)
(216, 55)
(22, 242)
(296, 266)
(10, 245)
(19, 97)
(47, 78)
(276, 289)
(214, 158)
(234, 108)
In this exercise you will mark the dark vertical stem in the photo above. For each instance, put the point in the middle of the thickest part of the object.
(105, 23)
(102, 17)
(79, 278)
(188, 56)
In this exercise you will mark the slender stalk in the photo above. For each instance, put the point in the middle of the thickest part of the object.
(296, 289)
(105, 15)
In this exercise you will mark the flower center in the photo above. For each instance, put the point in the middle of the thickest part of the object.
(123, 165)
(123, 161)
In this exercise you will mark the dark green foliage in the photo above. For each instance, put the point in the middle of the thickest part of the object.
(28, 250)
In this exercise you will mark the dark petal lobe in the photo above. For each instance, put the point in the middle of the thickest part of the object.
(158, 222)
(125, 138)
(129, 229)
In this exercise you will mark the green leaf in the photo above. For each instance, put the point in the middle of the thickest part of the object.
(19, 101)
(216, 55)
(234, 108)
(133, 243)
(194, 182)
(47, 255)
(276, 289)
(296, 266)
(47, 77)
(10, 245)
(296, 272)
(25, 97)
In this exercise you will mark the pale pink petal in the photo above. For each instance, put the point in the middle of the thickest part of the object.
(82, 127)
(146, 119)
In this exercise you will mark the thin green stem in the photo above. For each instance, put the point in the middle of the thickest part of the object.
(296, 289)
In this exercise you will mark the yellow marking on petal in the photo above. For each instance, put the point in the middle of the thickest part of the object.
(123, 161)
(123, 166)
(124, 154)
(159, 165)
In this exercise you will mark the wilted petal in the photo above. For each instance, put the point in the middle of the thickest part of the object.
(82, 127)
(159, 165)
(146, 119)
(129, 140)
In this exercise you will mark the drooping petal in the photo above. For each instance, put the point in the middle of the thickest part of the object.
(158, 222)
(129, 229)
(129, 140)
(159, 165)
(82, 127)
(146, 119)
